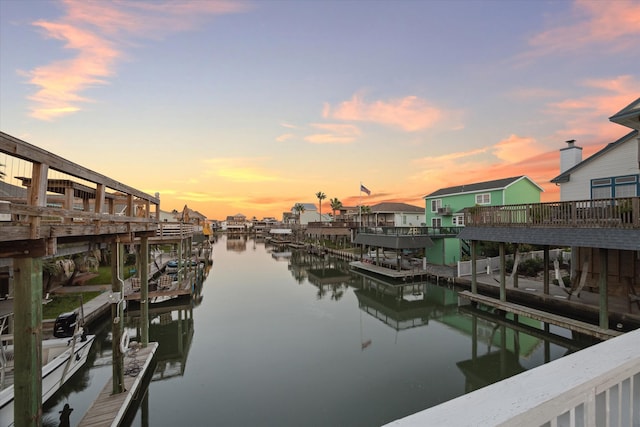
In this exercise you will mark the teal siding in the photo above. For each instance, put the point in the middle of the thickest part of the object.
(523, 191)
(447, 251)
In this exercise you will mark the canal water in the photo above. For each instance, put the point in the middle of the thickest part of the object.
(277, 337)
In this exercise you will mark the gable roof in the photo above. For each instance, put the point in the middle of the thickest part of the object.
(629, 116)
(396, 207)
(497, 184)
(565, 176)
(308, 207)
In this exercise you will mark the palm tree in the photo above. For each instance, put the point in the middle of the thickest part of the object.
(299, 209)
(335, 205)
(321, 196)
(363, 211)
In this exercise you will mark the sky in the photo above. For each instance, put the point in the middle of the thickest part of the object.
(250, 107)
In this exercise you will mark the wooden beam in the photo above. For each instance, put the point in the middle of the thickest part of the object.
(23, 248)
(503, 278)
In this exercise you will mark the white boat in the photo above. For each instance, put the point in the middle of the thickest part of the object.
(61, 358)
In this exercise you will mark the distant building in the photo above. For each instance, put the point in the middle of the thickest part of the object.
(310, 214)
(446, 207)
(389, 214)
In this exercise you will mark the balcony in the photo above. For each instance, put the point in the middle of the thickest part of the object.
(445, 210)
(598, 213)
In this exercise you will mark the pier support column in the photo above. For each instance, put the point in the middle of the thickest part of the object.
(28, 342)
(602, 285)
(474, 267)
(503, 276)
(117, 317)
(144, 290)
(545, 280)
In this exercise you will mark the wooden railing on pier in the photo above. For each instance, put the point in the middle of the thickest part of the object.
(621, 212)
(44, 197)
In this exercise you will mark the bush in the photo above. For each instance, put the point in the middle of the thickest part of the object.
(531, 267)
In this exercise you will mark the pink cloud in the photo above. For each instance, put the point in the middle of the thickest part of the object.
(515, 148)
(409, 113)
(95, 31)
(587, 116)
(335, 133)
(612, 25)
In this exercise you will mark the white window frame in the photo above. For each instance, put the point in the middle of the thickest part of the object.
(458, 220)
(436, 222)
(483, 199)
(437, 203)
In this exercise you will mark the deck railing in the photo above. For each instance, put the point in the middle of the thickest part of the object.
(43, 195)
(411, 231)
(621, 212)
(597, 386)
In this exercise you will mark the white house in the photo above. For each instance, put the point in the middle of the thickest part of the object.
(614, 171)
(311, 214)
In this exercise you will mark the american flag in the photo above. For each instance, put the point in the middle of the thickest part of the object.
(365, 190)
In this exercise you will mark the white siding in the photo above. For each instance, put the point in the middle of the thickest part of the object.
(622, 160)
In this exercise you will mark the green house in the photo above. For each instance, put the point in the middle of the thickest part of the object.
(445, 208)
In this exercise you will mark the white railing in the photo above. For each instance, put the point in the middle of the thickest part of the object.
(597, 386)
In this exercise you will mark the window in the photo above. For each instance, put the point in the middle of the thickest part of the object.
(620, 186)
(458, 220)
(435, 205)
(483, 199)
(436, 222)
(404, 220)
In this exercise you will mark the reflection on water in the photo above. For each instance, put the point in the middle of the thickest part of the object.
(300, 339)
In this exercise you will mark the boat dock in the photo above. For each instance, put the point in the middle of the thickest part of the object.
(109, 409)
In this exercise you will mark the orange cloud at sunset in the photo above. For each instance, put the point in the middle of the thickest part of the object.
(583, 115)
(94, 30)
(240, 170)
(611, 25)
(409, 113)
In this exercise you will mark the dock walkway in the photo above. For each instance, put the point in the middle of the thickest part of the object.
(109, 409)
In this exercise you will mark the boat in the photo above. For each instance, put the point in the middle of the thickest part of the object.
(61, 358)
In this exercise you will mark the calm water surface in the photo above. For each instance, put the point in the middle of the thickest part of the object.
(279, 340)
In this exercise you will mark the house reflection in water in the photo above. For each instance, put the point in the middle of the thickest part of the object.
(500, 343)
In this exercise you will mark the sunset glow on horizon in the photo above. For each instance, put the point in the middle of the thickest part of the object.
(253, 106)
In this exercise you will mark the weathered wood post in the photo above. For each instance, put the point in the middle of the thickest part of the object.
(503, 277)
(474, 267)
(545, 280)
(117, 317)
(602, 286)
(28, 342)
(144, 289)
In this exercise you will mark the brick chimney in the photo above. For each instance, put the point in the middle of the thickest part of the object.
(570, 155)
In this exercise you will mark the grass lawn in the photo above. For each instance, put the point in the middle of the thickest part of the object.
(104, 275)
(65, 303)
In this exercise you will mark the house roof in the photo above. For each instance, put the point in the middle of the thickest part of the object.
(565, 176)
(307, 207)
(629, 116)
(497, 184)
(396, 207)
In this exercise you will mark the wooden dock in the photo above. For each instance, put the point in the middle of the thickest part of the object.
(109, 409)
(554, 319)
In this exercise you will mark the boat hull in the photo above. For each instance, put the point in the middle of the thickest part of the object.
(54, 373)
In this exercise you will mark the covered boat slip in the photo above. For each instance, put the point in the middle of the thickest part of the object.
(50, 207)
(606, 255)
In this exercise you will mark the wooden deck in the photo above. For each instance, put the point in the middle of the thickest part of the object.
(109, 409)
(554, 319)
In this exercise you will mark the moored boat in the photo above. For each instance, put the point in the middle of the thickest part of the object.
(61, 358)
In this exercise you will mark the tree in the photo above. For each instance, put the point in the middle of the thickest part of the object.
(364, 210)
(335, 206)
(321, 196)
(299, 209)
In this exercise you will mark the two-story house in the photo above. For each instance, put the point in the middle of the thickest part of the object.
(446, 207)
(389, 214)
